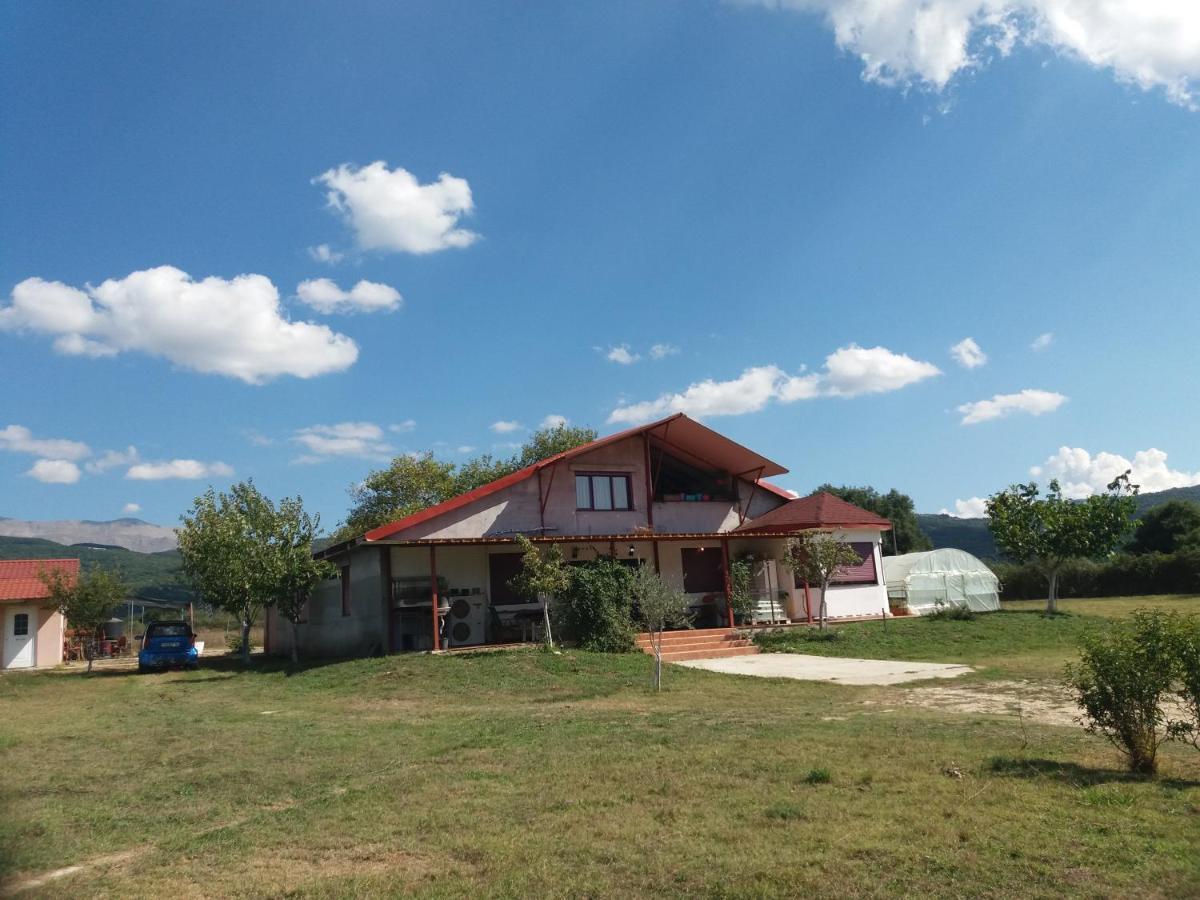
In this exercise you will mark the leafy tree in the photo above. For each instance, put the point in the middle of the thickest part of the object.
(85, 602)
(1052, 530)
(544, 576)
(1168, 528)
(894, 506)
(1123, 675)
(741, 587)
(412, 483)
(817, 557)
(294, 531)
(244, 554)
(658, 606)
(596, 610)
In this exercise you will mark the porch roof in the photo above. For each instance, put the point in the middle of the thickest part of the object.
(822, 510)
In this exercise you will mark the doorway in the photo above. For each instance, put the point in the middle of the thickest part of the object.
(20, 635)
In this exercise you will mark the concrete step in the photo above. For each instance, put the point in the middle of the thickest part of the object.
(670, 636)
(708, 653)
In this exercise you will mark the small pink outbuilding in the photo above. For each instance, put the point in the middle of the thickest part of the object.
(33, 630)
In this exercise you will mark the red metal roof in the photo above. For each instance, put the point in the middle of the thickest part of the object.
(19, 578)
(719, 448)
(823, 510)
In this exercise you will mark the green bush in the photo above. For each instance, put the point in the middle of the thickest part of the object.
(1188, 686)
(596, 611)
(818, 776)
(1123, 675)
(1121, 576)
(946, 612)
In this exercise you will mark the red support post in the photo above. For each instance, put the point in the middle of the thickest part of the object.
(433, 596)
(728, 583)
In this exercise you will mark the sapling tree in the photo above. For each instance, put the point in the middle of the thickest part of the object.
(658, 607)
(544, 575)
(741, 588)
(1050, 531)
(85, 602)
(818, 558)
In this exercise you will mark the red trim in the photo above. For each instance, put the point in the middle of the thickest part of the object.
(728, 582)
(775, 489)
(649, 492)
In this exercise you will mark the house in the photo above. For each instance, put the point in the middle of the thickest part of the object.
(672, 494)
(33, 631)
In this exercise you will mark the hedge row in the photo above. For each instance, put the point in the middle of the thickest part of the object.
(1121, 576)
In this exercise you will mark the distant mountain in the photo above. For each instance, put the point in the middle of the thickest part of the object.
(154, 576)
(132, 534)
(973, 535)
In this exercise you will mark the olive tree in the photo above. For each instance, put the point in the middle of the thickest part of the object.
(657, 607)
(1050, 531)
(818, 558)
(544, 576)
(85, 602)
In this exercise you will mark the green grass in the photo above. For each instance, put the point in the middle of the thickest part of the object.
(1018, 641)
(531, 774)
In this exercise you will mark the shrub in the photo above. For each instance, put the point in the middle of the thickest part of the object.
(1122, 677)
(596, 611)
(234, 642)
(1187, 653)
(818, 776)
(947, 612)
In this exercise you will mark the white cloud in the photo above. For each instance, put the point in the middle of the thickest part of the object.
(505, 427)
(1042, 341)
(1030, 400)
(554, 420)
(326, 254)
(849, 372)
(403, 427)
(227, 327)
(1147, 43)
(1081, 474)
(622, 355)
(359, 439)
(968, 354)
(130, 508)
(972, 508)
(325, 296)
(661, 351)
(464, 448)
(391, 210)
(186, 469)
(19, 439)
(54, 471)
(112, 459)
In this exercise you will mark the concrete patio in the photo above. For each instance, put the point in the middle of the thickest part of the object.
(828, 668)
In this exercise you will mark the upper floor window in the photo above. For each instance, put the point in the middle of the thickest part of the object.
(602, 491)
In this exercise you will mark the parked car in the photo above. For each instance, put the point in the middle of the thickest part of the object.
(168, 644)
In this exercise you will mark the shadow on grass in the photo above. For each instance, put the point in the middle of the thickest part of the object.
(1075, 775)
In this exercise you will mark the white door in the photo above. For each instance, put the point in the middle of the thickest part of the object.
(20, 631)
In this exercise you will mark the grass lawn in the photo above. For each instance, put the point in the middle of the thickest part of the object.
(1016, 642)
(531, 774)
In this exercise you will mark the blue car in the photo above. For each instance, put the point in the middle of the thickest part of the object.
(168, 644)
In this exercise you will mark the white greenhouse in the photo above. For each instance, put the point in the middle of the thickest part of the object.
(944, 577)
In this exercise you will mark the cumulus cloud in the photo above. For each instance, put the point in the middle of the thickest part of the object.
(389, 209)
(326, 254)
(968, 354)
(505, 427)
(19, 439)
(1081, 474)
(229, 327)
(1147, 43)
(849, 372)
(554, 420)
(112, 459)
(622, 355)
(130, 508)
(971, 508)
(359, 439)
(1030, 400)
(185, 469)
(54, 471)
(1042, 341)
(661, 351)
(325, 296)
(403, 427)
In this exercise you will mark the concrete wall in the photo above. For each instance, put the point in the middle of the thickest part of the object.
(50, 633)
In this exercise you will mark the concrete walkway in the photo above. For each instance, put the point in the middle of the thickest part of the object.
(828, 668)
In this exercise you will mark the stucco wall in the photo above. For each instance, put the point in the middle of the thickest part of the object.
(329, 633)
(50, 628)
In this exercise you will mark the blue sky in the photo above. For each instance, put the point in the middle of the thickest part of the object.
(806, 210)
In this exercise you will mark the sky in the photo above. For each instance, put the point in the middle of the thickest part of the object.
(936, 246)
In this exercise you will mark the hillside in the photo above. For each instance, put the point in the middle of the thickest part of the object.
(133, 534)
(973, 536)
(151, 575)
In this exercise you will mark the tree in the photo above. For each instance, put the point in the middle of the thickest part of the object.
(1052, 530)
(817, 557)
(741, 587)
(412, 483)
(658, 606)
(294, 529)
(85, 602)
(1168, 528)
(907, 536)
(544, 576)
(243, 554)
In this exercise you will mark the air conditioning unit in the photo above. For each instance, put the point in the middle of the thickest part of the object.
(466, 621)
